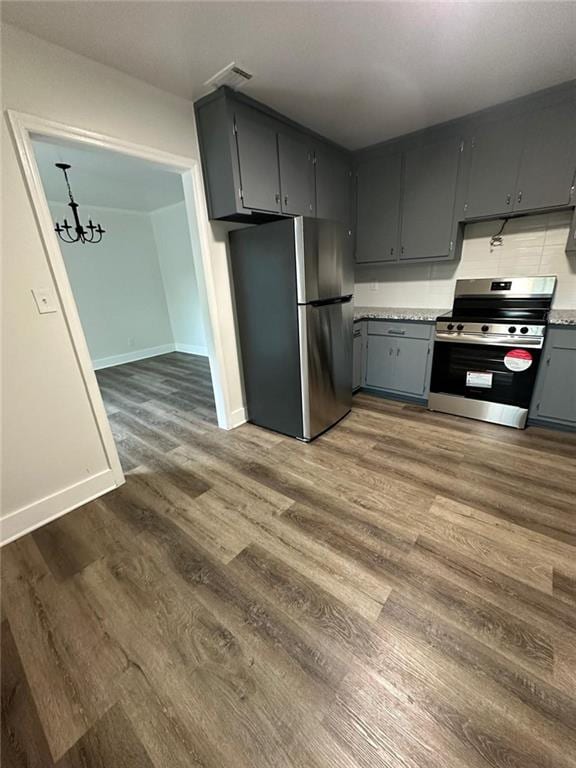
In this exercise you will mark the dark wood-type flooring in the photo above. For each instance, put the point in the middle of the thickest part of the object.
(400, 593)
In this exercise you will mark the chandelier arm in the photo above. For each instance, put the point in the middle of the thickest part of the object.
(68, 238)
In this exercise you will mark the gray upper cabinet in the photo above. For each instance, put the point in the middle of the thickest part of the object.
(258, 165)
(257, 160)
(333, 185)
(428, 200)
(548, 159)
(555, 392)
(495, 159)
(296, 175)
(378, 208)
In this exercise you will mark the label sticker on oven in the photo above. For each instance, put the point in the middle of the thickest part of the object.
(518, 360)
(478, 379)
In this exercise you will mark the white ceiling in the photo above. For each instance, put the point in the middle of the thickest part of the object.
(358, 72)
(102, 178)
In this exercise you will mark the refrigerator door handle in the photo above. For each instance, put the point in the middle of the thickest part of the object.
(335, 300)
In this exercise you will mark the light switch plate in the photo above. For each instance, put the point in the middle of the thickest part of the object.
(45, 300)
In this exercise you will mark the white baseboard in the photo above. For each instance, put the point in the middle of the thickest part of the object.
(40, 512)
(191, 349)
(132, 357)
(237, 418)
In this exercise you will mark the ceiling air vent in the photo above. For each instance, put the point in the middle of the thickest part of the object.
(232, 76)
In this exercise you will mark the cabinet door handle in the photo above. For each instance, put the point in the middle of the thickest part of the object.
(519, 198)
(508, 199)
(397, 351)
(392, 251)
(391, 350)
(286, 200)
(277, 198)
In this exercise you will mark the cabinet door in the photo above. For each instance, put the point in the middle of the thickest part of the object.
(258, 160)
(378, 209)
(549, 158)
(357, 362)
(411, 366)
(556, 393)
(495, 157)
(429, 197)
(333, 185)
(380, 362)
(296, 175)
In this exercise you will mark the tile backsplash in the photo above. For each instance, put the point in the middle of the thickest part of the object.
(531, 245)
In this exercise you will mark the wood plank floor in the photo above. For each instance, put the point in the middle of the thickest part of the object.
(400, 594)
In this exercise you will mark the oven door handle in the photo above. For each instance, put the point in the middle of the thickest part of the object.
(492, 341)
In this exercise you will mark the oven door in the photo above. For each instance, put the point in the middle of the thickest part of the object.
(485, 372)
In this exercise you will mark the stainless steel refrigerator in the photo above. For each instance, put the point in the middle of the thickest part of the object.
(293, 284)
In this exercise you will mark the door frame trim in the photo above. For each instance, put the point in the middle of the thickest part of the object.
(23, 128)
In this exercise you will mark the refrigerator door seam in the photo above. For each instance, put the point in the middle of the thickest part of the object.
(300, 260)
(304, 372)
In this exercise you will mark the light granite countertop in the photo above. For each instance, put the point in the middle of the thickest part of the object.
(397, 313)
(562, 317)
(557, 316)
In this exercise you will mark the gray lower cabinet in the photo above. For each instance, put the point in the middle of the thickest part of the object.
(256, 137)
(378, 188)
(380, 362)
(554, 397)
(398, 357)
(494, 162)
(297, 187)
(359, 355)
(428, 199)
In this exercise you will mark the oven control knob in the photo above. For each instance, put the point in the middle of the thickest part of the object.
(512, 329)
(459, 327)
(450, 326)
(485, 328)
(524, 330)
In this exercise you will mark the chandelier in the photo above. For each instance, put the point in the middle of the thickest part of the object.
(77, 233)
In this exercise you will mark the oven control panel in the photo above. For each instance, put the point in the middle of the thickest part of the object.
(517, 329)
(506, 334)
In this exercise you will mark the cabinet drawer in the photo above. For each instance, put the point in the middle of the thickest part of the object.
(403, 330)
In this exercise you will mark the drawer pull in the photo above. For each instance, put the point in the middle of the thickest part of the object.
(396, 332)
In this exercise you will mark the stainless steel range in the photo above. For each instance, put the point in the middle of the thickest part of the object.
(487, 350)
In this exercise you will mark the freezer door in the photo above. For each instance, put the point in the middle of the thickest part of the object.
(324, 260)
(326, 364)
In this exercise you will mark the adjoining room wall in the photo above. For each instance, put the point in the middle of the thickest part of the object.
(118, 287)
(174, 249)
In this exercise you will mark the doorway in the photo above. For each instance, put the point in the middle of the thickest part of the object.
(25, 129)
(135, 289)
